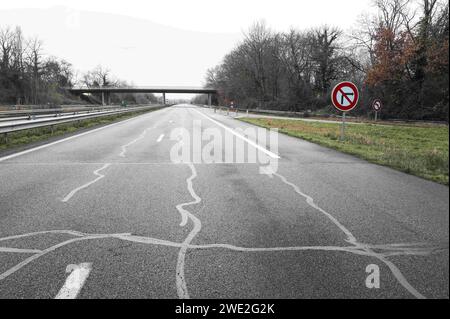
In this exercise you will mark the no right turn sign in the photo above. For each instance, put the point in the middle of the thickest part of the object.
(345, 96)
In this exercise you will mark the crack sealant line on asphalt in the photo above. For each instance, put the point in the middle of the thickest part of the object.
(416, 248)
(180, 275)
(357, 248)
(96, 172)
(352, 239)
(398, 248)
(419, 249)
(141, 136)
(36, 256)
(124, 147)
(19, 250)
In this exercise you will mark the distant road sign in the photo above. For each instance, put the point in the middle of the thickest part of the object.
(377, 105)
(345, 96)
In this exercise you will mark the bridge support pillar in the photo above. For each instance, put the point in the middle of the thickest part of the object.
(209, 99)
(103, 98)
(164, 98)
(108, 99)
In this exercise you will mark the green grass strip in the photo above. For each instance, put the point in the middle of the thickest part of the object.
(416, 150)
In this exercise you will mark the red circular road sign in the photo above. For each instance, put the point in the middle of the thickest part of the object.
(345, 96)
(377, 105)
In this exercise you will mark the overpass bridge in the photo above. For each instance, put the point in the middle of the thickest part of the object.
(106, 91)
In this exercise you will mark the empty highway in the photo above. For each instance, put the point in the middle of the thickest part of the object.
(111, 207)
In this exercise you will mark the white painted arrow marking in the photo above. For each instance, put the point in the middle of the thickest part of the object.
(75, 281)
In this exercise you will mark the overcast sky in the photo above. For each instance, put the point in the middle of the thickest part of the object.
(169, 42)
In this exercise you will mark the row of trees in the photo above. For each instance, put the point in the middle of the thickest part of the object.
(399, 55)
(102, 77)
(28, 76)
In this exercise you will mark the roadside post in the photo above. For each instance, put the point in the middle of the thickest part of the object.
(377, 105)
(345, 97)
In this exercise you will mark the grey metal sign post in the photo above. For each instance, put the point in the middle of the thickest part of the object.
(345, 97)
(377, 105)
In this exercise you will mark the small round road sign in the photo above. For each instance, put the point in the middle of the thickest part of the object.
(376, 105)
(345, 96)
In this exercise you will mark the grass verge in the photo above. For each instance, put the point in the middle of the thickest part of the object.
(22, 138)
(420, 151)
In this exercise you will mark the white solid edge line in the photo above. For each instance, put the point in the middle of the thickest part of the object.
(259, 147)
(64, 140)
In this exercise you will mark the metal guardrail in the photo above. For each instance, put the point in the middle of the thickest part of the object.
(330, 117)
(8, 114)
(227, 109)
(36, 115)
(14, 126)
(291, 114)
(256, 111)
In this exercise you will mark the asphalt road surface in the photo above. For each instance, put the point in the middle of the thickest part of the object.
(110, 214)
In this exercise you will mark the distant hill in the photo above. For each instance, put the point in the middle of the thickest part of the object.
(135, 50)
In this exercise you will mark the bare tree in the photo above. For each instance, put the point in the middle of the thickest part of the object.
(34, 61)
(391, 14)
(324, 48)
(295, 54)
(254, 47)
(99, 77)
(6, 47)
